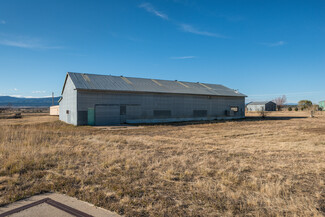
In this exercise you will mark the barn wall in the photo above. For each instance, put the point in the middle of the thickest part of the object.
(68, 104)
(149, 107)
(255, 108)
(270, 106)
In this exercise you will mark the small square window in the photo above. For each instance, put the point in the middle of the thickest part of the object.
(122, 110)
(67, 111)
(234, 108)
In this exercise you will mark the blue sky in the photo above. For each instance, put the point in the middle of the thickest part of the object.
(263, 48)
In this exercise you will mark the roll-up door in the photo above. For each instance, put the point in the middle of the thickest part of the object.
(107, 115)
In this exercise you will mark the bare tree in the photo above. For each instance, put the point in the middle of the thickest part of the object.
(280, 101)
(262, 113)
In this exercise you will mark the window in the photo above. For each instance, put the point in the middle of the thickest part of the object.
(162, 113)
(200, 113)
(234, 108)
(67, 112)
(123, 110)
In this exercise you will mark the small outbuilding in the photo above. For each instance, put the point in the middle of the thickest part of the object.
(55, 110)
(261, 106)
(322, 105)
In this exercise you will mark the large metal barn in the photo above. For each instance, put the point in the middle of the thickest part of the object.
(89, 99)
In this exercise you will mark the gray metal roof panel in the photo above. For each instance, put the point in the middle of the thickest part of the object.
(120, 83)
(259, 103)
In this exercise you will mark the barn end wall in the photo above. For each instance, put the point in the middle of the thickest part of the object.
(256, 108)
(68, 104)
(153, 108)
(270, 106)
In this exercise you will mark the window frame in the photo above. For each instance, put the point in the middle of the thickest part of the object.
(234, 107)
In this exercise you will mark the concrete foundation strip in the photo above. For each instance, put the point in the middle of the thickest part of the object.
(51, 202)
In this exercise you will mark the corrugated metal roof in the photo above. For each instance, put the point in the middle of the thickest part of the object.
(119, 83)
(259, 103)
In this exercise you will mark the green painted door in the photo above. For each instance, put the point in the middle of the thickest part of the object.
(91, 116)
(322, 105)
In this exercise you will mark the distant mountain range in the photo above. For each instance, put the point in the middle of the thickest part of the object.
(287, 104)
(43, 102)
(27, 102)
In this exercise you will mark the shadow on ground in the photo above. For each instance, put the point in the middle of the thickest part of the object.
(257, 118)
(275, 118)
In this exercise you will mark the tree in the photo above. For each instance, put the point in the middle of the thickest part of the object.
(280, 101)
(262, 113)
(305, 104)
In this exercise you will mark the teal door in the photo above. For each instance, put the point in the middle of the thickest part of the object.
(91, 116)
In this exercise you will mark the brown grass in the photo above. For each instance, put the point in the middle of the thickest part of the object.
(255, 167)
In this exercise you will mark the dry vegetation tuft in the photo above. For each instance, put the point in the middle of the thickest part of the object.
(269, 167)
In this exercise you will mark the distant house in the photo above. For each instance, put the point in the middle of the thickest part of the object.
(261, 106)
(89, 99)
(322, 105)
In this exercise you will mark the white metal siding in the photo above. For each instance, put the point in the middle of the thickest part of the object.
(255, 108)
(69, 103)
(267, 107)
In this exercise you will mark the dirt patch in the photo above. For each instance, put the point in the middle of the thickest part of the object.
(319, 130)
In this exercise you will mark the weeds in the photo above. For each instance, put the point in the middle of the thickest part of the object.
(257, 168)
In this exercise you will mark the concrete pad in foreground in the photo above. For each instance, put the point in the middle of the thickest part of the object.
(53, 205)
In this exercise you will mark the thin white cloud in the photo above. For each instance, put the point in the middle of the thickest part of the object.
(21, 96)
(191, 29)
(37, 96)
(15, 89)
(275, 44)
(24, 42)
(148, 7)
(184, 27)
(20, 44)
(39, 91)
(183, 57)
(3, 22)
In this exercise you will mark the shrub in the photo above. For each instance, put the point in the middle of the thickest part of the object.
(296, 109)
(262, 113)
(305, 104)
(289, 109)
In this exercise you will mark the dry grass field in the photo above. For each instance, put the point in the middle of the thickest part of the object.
(253, 167)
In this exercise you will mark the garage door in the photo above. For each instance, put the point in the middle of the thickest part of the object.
(107, 115)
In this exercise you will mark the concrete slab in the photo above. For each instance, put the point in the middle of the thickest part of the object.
(42, 210)
(119, 127)
(53, 204)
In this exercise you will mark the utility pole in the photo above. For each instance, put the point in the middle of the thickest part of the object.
(52, 98)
